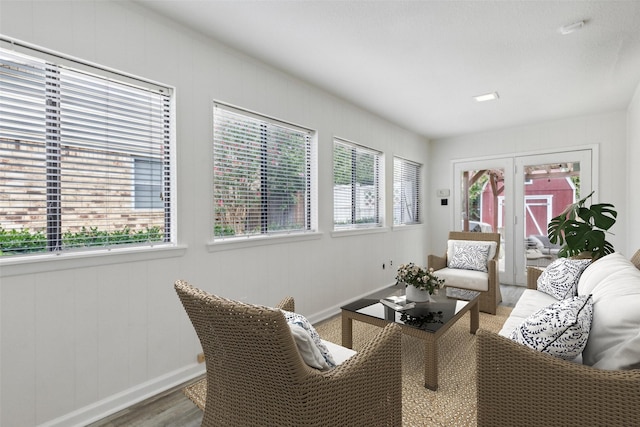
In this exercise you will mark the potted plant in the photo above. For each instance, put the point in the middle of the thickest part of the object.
(420, 282)
(581, 229)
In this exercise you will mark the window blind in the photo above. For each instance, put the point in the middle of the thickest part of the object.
(406, 192)
(262, 175)
(356, 186)
(86, 159)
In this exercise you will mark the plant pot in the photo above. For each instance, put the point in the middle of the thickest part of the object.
(417, 295)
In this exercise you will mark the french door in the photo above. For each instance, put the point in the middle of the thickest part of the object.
(517, 197)
(545, 185)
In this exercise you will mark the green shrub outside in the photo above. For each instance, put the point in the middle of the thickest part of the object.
(15, 242)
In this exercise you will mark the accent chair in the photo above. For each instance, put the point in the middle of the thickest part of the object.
(471, 263)
(256, 375)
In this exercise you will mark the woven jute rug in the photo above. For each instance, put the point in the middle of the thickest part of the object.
(454, 404)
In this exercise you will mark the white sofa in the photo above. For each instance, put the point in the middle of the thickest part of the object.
(614, 336)
(520, 386)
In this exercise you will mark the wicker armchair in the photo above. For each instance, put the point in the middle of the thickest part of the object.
(518, 386)
(490, 298)
(255, 375)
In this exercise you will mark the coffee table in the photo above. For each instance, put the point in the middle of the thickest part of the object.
(426, 321)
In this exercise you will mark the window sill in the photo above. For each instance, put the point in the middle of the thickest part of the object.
(15, 265)
(358, 231)
(248, 242)
(404, 227)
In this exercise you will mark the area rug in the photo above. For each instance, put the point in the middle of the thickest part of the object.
(454, 404)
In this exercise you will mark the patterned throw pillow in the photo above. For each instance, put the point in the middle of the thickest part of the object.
(561, 329)
(469, 256)
(560, 278)
(300, 320)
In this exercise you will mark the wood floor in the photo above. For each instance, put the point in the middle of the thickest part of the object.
(169, 409)
(173, 409)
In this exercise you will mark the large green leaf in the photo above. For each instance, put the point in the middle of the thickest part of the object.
(582, 229)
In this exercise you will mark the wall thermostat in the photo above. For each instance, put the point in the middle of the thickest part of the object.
(443, 192)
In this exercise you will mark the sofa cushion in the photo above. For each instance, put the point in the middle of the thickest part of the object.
(309, 355)
(561, 329)
(560, 278)
(614, 342)
(466, 279)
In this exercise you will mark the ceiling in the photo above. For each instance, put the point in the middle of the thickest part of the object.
(419, 63)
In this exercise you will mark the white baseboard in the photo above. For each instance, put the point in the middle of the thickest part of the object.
(117, 402)
(332, 311)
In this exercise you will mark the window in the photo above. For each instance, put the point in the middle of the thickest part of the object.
(356, 186)
(406, 192)
(262, 175)
(85, 157)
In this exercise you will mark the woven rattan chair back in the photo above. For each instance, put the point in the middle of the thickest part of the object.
(256, 377)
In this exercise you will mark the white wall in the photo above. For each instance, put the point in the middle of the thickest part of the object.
(80, 337)
(633, 174)
(608, 131)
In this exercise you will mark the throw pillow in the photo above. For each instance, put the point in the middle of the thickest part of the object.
(301, 321)
(561, 329)
(560, 278)
(493, 246)
(308, 348)
(469, 256)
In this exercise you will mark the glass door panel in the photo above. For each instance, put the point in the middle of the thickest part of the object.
(546, 185)
(480, 204)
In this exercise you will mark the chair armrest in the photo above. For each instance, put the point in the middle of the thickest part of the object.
(436, 262)
(520, 386)
(381, 354)
(532, 276)
(287, 304)
(493, 268)
(371, 380)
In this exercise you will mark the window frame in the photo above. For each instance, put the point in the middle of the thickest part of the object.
(266, 234)
(354, 223)
(54, 250)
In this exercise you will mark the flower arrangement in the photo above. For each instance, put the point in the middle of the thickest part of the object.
(423, 279)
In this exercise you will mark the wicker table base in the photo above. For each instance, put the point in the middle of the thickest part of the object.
(430, 338)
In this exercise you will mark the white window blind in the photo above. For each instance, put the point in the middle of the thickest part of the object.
(85, 159)
(356, 186)
(406, 192)
(262, 175)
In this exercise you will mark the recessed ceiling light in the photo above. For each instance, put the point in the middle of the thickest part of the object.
(568, 29)
(486, 97)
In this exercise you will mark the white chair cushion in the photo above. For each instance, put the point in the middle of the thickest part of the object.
(465, 279)
(340, 354)
(614, 341)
